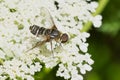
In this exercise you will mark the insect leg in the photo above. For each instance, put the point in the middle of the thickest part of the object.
(51, 46)
(37, 44)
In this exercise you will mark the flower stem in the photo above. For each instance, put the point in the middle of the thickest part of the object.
(102, 5)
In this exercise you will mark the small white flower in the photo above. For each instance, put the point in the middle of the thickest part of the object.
(3, 77)
(50, 62)
(92, 6)
(77, 77)
(83, 47)
(97, 21)
(63, 72)
(2, 55)
(37, 67)
(88, 59)
(29, 77)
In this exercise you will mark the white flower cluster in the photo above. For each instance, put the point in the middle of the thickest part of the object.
(69, 17)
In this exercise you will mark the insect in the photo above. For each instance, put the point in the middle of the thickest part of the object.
(50, 34)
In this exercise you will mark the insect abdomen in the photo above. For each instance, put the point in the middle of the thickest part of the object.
(36, 30)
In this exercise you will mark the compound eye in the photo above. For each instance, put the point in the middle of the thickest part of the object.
(64, 38)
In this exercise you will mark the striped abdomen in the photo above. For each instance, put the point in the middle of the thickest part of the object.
(36, 30)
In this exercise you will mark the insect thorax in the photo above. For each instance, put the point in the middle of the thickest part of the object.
(54, 34)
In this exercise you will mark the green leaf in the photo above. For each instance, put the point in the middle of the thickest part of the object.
(99, 49)
(111, 18)
(92, 76)
(111, 28)
(113, 71)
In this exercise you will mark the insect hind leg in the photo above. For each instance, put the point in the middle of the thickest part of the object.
(36, 45)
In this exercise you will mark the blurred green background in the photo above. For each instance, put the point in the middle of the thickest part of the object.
(104, 46)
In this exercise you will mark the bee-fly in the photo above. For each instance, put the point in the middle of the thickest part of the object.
(50, 34)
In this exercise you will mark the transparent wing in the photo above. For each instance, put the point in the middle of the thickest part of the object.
(47, 17)
(48, 21)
